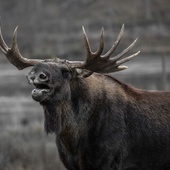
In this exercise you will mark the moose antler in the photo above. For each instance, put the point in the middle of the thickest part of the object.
(96, 62)
(13, 53)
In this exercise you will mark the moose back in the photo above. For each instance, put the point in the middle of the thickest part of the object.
(100, 123)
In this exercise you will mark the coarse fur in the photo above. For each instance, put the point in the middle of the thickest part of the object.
(103, 124)
(100, 123)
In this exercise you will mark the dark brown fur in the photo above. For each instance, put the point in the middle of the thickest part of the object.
(102, 124)
(99, 122)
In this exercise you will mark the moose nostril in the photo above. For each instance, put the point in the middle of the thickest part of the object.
(30, 78)
(43, 76)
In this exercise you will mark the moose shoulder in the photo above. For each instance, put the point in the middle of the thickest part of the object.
(100, 123)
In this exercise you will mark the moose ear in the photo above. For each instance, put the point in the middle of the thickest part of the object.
(82, 73)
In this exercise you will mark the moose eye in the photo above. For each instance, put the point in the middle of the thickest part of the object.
(65, 73)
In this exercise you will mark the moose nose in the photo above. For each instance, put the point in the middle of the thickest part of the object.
(43, 77)
(36, 78)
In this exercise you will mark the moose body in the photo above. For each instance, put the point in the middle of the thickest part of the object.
(100, 123)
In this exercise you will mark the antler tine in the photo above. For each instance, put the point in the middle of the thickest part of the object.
(88, 49)
(113, 48)
(114, 59)
(15, 44)
(91, 54)
(113, 66)
(100, 50)
(3, 45)
(127, 59)
(13, 53)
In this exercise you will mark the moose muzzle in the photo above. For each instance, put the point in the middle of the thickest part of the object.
(40, 81)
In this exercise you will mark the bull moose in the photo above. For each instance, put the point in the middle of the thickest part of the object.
(100, 123)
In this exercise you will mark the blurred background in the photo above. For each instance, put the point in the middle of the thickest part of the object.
(52, 28)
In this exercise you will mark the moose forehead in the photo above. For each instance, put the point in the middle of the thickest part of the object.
(49, 67)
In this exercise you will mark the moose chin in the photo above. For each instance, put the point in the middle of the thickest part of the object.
(100, 123)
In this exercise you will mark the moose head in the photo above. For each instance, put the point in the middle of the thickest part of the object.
(51, 75)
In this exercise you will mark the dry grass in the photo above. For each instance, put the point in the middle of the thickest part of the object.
(28, 150)
(23, 142)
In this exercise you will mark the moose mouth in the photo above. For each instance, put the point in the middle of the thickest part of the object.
(41, 91)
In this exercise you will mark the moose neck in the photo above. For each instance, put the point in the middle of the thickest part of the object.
(62, 111)
(57, 111)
